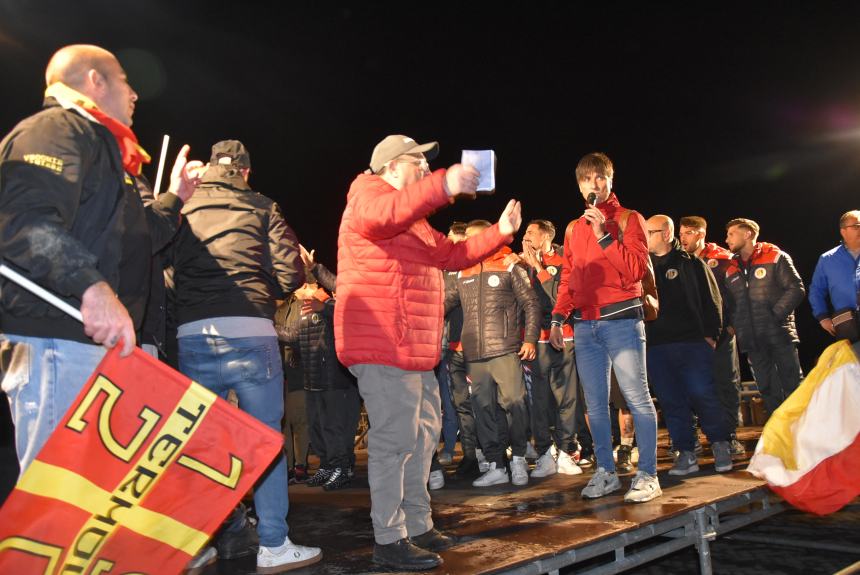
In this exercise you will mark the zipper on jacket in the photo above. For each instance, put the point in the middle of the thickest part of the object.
(481, 307)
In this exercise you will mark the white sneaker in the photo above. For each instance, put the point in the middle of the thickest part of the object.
(545, 465)
(519, 471)
(207, 556)
(644, 488)
(566, 465)
(493, 476)
(530, 451)
(286, 557)
(483, 464)
(437, 480)
(601, 483)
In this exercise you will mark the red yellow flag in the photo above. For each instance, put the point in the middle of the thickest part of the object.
(144, 467)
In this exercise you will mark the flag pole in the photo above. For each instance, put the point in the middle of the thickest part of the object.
(157, 189)
(28, 285)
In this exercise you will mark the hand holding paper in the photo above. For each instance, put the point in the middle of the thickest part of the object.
(485, 162)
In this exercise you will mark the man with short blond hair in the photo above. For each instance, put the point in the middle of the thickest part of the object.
(763, 290)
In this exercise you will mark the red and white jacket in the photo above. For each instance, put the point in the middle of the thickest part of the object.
(597, 274)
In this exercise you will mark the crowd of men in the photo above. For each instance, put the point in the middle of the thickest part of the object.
(516, 354)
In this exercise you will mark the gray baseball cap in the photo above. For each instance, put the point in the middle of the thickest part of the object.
(397, 145)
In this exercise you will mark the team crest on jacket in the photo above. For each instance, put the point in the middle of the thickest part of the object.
(712, 263)
(552, 270)
(493, 281)
(315, 318)
(760, 273)
(671, 273)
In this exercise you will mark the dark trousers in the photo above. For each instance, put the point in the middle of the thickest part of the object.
(499, 402)
(682, 376)
(450, 424)
(332, 423)
(462, 402)
(777, 373)
(727, 378)
(554, 395)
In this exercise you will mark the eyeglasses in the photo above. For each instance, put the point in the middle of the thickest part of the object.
(855, 226)
(420, 162)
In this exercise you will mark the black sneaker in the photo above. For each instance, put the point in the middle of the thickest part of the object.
(585, 458)
(405, 555)
(468, 468)
(239, 544)
(337, 480)
(434, 540)
(623, 463)
(320, 477)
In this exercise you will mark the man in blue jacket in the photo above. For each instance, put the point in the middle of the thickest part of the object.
(835, 285)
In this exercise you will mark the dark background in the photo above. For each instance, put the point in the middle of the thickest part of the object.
(720, 110)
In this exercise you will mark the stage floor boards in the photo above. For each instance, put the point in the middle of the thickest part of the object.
(501, 526)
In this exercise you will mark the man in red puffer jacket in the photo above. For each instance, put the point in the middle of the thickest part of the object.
(388, 325)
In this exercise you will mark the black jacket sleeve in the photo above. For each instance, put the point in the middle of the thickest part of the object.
(162, 215)
(284, 248)
(326, 279)
(711, 302)
(452, 295)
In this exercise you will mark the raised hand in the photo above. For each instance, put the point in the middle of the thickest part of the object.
(185, 175)
(307, 256)
(511, 219)
(461, 180)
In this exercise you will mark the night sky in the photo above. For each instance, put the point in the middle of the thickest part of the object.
(714, 109)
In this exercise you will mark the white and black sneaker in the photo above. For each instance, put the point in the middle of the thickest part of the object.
(337, 480)
(601, 483)
(286, 557)
(645, 487)
(320, 477)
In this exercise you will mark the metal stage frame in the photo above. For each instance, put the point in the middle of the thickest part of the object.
(696, 527)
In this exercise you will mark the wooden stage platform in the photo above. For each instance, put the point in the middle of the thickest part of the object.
(542, 527)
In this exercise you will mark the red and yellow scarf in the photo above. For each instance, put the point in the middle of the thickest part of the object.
(133, 156)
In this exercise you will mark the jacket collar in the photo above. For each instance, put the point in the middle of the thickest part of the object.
(225, 176)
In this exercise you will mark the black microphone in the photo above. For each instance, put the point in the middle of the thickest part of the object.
(592, 199)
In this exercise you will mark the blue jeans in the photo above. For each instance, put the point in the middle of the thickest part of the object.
(619, 345)
(682, 376)
(251, 366)
(450, 424)
(42, 379)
